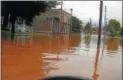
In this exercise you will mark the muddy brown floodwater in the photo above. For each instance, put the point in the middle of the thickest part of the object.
(36, 57)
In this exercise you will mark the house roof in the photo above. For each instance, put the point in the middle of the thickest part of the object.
(59, 10)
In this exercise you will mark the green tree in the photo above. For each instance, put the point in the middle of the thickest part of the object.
(76, 25)
(88, 28)
(52, 4)
(114, 27)
(24, 9)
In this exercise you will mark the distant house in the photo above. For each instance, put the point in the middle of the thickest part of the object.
(51, 22)
(96, 30)
(20, 26)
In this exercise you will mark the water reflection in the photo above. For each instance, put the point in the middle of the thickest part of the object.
(23, 40)
(112, 45)
(87, 40)
(33, 57)
(96, 74)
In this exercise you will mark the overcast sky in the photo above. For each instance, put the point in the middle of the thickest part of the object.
(85, 9)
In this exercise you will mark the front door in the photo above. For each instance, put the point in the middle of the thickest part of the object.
(55, 25)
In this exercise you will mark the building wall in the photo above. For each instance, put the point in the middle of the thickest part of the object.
(55, 26)
(40, 24)
(66, 18)
(49, 21)
(95, 30)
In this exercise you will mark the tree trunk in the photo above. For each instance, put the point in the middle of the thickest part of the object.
(12, 36)
(5, 22)
(13, 27)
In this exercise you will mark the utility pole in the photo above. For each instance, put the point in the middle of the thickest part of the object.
(95, 74)
(100, 23)
(96, 64)
(90, 25)
(71, 20)
(90, 20)
(105, 25)
(105, 19)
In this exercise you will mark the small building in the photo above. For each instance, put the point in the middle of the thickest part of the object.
(95, 30)
(52, 21)
(20, 26)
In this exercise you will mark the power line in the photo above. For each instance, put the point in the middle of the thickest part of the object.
(76, 13)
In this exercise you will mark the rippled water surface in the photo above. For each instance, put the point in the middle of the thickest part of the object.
(39, 56)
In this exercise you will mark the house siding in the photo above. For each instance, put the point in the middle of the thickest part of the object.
(49, 21)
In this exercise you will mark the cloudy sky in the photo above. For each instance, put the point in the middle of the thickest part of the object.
(86, 9)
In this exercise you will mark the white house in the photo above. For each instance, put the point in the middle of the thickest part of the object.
(22, 27)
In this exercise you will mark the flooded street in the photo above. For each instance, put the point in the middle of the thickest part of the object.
(36, 57)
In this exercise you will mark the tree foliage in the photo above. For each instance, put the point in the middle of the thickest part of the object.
(24, 9)
(76, 24)
(88, 27)
(52, 4)
(114, 27)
